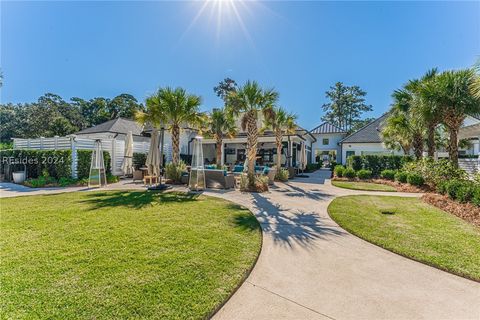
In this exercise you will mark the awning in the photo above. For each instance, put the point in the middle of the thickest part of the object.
(468, 132)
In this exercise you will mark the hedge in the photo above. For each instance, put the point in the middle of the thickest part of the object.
(377, 163)
(139, 160)
(84, 159)
(56, 163)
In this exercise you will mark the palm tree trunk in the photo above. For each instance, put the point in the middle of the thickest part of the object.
(278, 141)
(175, 144)
(418, 146)
(453, 145)
(218, 138)
(252, 139)
(431, 140)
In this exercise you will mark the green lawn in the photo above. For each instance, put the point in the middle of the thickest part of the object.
(359, 185)
(412, 228)
(119, 255)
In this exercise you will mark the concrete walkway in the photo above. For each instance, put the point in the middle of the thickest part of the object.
(310, 268)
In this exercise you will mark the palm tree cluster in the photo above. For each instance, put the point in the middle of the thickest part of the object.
(424, 108)
(174, 109)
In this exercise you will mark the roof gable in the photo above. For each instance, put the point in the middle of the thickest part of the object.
(119, 125)
(369, 133)
(327, 127)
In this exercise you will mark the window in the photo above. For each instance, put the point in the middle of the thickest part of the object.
(325, 141)
(350, 153)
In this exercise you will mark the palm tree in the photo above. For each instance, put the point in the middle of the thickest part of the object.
(396, 133)
(172, 108)
(427, 110)
(249, 100)
(280, 122)
(219, 124)
(451, 92)
(475, 87)
(405, 119)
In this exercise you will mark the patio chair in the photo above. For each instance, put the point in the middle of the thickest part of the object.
(137, 175)
(219, 179)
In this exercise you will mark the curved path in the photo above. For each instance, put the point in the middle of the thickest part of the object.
(310, 268)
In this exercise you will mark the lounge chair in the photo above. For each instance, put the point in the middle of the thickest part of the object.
(219, 179)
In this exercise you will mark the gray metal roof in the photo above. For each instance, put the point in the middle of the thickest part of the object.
(327, 127)
(369, 133)
(119, 125)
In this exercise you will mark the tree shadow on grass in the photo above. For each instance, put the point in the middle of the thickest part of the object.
(136, 199)
(289, 228)
(294, 191)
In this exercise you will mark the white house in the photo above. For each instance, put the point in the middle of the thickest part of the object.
(327, 145)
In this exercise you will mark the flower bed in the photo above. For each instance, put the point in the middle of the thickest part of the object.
(465, 211)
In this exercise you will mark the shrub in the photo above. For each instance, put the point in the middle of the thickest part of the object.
(349, 173)
(461, 190)
(260, 185)
(465, 192)
(111, 178)
(415, 179)
(282, 175)
(84, 159)
(442, 187)
(377, 163)
(476, 196)
(388, 174)
(332, 165)
(65, 182)
(313, 166)
(434, 172)
(174, 172)
(339, 170)
(364, 174)
(138, 160)
(355, 162)
(56, 163)
(401, 176)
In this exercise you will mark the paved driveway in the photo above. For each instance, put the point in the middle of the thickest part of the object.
(310, 268)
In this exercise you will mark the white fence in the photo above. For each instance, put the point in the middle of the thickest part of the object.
(116, 148)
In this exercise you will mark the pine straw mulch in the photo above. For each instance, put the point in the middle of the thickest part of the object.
(465, 211)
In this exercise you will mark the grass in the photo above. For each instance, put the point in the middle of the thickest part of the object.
(412, 228)
(120, 255)
(360, 185)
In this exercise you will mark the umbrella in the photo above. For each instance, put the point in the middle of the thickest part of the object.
(153, 157)
(303, 157)
(127, 164)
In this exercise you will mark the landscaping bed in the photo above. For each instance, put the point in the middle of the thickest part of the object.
(122, 254)
(466, 211)
(412, 228)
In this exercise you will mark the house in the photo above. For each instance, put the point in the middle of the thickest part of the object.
(114, 129)
(234, 149)
(327, 145)
(366, 140)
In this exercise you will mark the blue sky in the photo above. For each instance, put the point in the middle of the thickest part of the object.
(89, 49)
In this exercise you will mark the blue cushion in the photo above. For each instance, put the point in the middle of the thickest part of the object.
(225, 173)
(238, 168)
(211, 166)
(266, 170)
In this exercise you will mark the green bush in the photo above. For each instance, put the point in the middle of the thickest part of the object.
(282, 175)
(401, 176)
(84, 160)
(476, 196)
(332, 165)
(461, 190)
(349, 173)
(435, 172)
(313, 166)
(415, 179)
(111, 178)
(174, 172)
(339, 170)
(364, 174)
(377, 163)
(56, 163)
(139, 160)
(442, 187)
(260, 185)
(355, 162)
(65, 182)
(388, 174)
